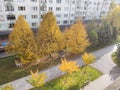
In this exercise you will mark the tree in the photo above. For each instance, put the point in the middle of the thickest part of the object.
(22, 41)
(88, 58)
(113, 17)
(7, 87)
(49, 37)
(106, 34)
(112, 5)
(37, 79)
(67, 67)
(76, 38)
(92, 31)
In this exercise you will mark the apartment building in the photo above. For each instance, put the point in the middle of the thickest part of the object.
(11, 9)
(89, 9)
(66, 11)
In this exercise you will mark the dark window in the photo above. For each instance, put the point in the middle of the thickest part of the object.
(11, 25)
(11, 17)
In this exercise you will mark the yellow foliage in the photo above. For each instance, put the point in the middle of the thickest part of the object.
(49, 36)
(88, 58)
(68, 66)
(37, 79)
(7, 87)
(22, 41)
(76, 38)
(114, 17)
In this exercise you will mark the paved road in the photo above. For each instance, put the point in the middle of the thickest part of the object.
(110, 71)
(54, 72)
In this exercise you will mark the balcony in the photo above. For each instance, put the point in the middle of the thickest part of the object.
(9, 7)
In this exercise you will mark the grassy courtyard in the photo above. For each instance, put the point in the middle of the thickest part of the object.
(116, 59)
(73, 81)
(9, 72)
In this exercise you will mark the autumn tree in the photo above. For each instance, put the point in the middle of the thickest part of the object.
(7, 87)
(49, 37)
(88, 58)
(68, 67)
(76, 39)
(22, 41)
(37, 79)
(113, 17)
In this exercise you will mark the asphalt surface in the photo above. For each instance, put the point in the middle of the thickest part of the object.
(103, 63)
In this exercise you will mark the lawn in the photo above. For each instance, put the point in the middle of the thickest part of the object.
(73, 81)
(116, 59)
(9, 72)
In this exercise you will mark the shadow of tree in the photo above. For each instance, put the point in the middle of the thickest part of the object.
(115, 73)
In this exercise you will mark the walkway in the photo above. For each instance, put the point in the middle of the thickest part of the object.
(108, 68)
(103, 58)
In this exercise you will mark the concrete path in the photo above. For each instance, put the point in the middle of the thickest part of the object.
(108, 68)
(54, 72)
(115, 85)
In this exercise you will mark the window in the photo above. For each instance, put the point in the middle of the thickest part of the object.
(65, 15)
(11, 17)
(34, 8)
(58, 1)
(50, 1)
(58, 8)
(33, 0)
(72, 15)
(34, 24)
(65, 22)
(21, 8)
(50, 8)
(11, 25)
(71, 21)
(9, 7)
(73, 2)
(34, 16)
(58, 15)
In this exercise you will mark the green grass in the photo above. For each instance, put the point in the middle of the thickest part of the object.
(75, 81)
(9, 72)
(116, 59)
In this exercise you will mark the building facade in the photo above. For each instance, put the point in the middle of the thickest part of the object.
(66, 11)
(11, 9)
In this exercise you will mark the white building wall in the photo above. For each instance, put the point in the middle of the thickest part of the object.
(69, 11)
(89, 9)
(28, 12)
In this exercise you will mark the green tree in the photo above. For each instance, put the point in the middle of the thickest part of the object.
(76, 38)
(22, 41)
(106, 33)
(113, 17)
(49, 36)
(112, 5)
(92, 31)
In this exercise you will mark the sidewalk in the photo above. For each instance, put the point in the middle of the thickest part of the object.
(100, 83)
(54, 72)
